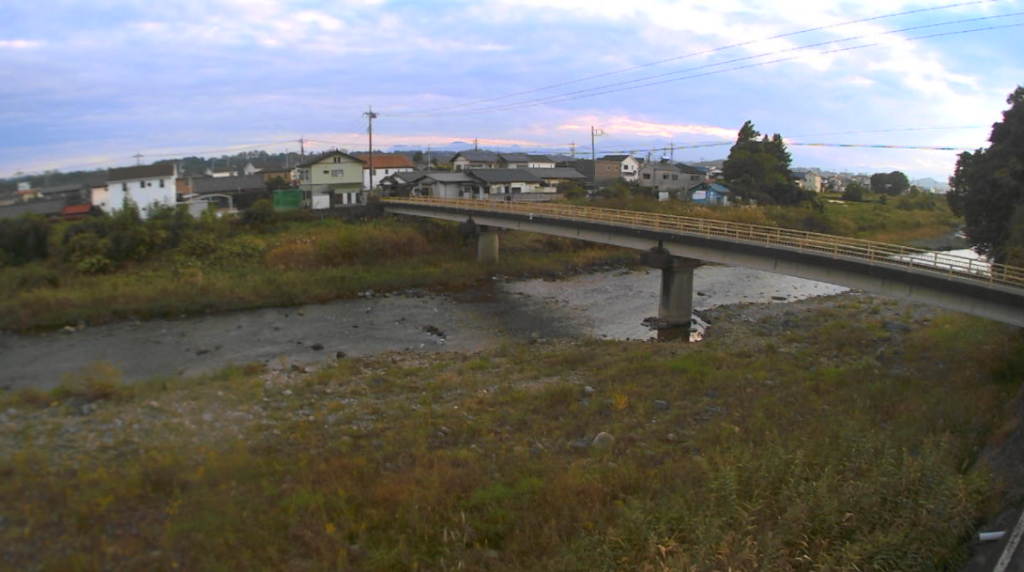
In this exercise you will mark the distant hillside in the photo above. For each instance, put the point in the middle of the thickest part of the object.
(930, 183)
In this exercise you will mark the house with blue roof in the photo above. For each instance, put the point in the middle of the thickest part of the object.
(710, 194)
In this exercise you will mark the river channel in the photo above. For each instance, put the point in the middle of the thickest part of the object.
(610, 304)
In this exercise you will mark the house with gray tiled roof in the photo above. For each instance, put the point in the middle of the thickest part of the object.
(475, 159)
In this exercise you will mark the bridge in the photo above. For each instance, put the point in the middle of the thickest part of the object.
(677, 245)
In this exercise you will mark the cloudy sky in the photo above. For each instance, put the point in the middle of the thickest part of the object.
(89, 83)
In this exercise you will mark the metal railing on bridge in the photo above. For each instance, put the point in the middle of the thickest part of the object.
(876, 253)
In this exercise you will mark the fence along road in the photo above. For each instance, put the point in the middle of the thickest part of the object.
(960, 283)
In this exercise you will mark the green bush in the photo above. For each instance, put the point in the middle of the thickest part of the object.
(23, 239)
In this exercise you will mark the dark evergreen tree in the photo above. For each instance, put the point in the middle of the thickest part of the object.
(987, 187)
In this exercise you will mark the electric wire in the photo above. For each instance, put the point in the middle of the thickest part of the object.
(617, 86)
(696, 54)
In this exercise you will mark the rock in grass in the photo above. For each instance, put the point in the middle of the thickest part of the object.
(603, 440)
(661, 404)
(316, 347)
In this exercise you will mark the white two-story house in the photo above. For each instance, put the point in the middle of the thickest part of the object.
(145, 185)
(629, 167)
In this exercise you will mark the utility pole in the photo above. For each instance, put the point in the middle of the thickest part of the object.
(370, 117)
(428, 158)
(138, 158)
(302, 147)
(476, 144)
(594, 133)
(672, 150)
(572, 149)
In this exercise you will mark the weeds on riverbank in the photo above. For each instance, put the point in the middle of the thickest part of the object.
(900, 220)
(848, 448)
(310, 262)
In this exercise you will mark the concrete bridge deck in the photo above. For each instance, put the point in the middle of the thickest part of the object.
(975, 287)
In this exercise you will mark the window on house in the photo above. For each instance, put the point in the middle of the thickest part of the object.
(161, 183)
(337, 172)
(664, 176)
(675, 177)
(124, 187)
(337, 159)
(326, 172)
(647, 176)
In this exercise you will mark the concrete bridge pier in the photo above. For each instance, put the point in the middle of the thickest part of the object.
(675, 308)
(487, 245)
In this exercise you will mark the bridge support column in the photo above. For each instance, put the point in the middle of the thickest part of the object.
(487, 245)
(675, 307)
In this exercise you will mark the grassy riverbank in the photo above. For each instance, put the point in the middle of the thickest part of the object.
(826, 434)
(900, 220)
(121, 268)
(295, 263)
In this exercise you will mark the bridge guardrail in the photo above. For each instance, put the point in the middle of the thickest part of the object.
(876, 253)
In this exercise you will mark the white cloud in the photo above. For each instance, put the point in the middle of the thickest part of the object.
(619, 126)
(20, 44)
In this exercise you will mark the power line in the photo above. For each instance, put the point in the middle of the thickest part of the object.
(616, 87)
(696, 54)
(571, 96)
(795, 144)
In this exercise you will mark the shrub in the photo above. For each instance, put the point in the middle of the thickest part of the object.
(23, 240)
(261, 213)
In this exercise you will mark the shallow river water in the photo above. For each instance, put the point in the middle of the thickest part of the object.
(609, 304)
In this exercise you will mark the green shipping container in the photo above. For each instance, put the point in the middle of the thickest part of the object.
(288, 199)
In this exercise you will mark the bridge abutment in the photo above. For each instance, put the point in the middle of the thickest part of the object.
(487, 245)
(675, 307)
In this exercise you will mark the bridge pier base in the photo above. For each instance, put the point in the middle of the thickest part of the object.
(675, 308)
(487, 246)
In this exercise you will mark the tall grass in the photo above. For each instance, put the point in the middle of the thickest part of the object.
(791, 460)
(893, 221)
(301, 263)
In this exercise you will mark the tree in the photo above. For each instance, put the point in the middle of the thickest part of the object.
(987, 186)
(893, 184)
(760, 168)
(417, 157)
(854, 192)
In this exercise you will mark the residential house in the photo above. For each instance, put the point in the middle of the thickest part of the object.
(332, 179)
(70, 193)
(401, 184)
(384, 165)
(474, 159)
(710, 194)
(691, 176)
(99, 195)
(145, 185)
(243, 190)
(629, 166)
(540, 162)
(809, 180)
(448, 185)
(505, 183)
(662, 176)
(513, 161)
(269, 173)
(553, 176)
(221, 171)
(249, 169)
(598, 172)
(47, 208)
(26, 192)
(438, 159)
